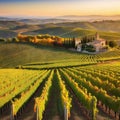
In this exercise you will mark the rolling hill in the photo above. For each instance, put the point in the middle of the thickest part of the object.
(12, 55)
(108, 26)
(9, 24)
(15, 54)
(7, 34)
(76, 32)
(110, 30)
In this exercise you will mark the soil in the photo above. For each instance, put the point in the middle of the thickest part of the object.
(52, 112)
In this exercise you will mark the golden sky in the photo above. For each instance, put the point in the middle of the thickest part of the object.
(59, 8)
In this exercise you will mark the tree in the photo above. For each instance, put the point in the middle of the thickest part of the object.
(112, 44)
(87, 39)
(2, 40)
(73, 43)
(90, 48)
(15, 39)
(83, 46)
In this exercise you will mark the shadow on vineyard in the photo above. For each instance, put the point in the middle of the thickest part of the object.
(52, 108)
(26, 112)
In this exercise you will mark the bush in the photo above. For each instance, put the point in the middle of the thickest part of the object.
(2, 40)
(83, 46)
(15, 39)
(112, 44)
(90, 48)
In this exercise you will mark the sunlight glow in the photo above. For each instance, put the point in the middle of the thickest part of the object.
(52, 8)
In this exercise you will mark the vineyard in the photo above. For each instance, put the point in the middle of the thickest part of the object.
(90, 92)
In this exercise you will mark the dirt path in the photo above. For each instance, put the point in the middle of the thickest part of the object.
(29, 113)
(5, 115)
(77, 109)
(103, 115)
(52, 112)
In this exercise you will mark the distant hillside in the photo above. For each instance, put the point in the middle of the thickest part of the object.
(77, 32)
(107, 29)
(7, 34)
(24, 28)
(106, 25)
(12, 28)
(44, 21)
(90, 17)
(109, 26)
(9, 24)
(60, 31)
(59, 19)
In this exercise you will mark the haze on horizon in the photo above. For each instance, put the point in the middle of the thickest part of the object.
(52, 8)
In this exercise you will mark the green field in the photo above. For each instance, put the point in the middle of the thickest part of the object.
(13, 54)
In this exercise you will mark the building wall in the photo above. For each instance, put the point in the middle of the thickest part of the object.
(77, 41)
(79, 48)
(103, 43)
(98, 43)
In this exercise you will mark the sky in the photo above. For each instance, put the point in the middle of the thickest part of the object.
(36, 8)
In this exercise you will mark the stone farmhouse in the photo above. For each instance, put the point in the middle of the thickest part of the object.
(98, 44)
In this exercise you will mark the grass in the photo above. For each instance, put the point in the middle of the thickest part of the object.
(15, 54)
(12, 54)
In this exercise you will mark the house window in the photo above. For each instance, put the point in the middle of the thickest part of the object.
(102, 44)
